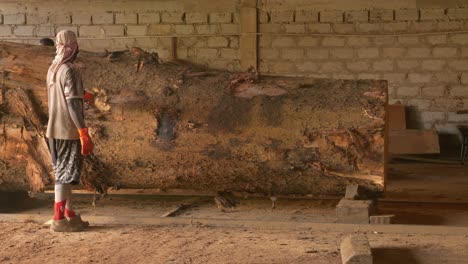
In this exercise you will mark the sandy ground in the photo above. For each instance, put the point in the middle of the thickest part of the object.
(32, 243)
(294, 210)
(200, 207)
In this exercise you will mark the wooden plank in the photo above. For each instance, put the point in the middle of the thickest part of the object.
(396, 117)
(248, 38)
(412, 141)
(437, 160)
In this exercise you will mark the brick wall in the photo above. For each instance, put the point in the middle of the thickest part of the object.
(426, 67)
(209, 38)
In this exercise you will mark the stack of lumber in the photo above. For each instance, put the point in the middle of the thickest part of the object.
(408, 141)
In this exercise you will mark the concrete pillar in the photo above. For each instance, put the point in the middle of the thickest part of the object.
(248, 37)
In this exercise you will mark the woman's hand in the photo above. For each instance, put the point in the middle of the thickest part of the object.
(87, 145)
(89, 98)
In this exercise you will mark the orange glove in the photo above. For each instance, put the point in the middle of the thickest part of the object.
(88, 98)
(87, 145)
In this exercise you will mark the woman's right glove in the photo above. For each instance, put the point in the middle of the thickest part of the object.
(87, 145)
(88, 98)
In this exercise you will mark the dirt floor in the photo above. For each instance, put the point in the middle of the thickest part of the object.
(32, 243)
(257, 209)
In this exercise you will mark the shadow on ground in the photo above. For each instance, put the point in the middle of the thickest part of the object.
(16, 202)
(394, 255)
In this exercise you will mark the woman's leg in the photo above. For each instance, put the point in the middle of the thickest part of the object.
(69, 212)
(61, 193)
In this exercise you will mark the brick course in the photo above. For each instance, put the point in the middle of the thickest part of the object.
(24, 31)
(149, 18)
(220, 18)
(103, 18)
(196, 18)
(331, 16)
(14, 19)
(126, 18)
(176, 18)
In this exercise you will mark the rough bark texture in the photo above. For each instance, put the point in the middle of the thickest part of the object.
(177, 125)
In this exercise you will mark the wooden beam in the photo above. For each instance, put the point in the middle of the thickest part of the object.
(412, 141)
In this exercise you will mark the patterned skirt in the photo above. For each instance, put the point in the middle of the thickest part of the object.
(67, 160)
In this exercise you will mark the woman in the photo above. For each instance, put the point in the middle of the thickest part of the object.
(67, 133)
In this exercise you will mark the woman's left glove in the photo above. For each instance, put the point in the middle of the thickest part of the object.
(87, 145)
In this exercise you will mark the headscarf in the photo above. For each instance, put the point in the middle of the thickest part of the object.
(67, 46)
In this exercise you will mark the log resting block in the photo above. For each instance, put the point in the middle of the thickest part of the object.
(381, 219)
(353, 192)
(354, 211)
(355, 249)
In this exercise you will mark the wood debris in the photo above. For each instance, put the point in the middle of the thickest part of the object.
(226, 201)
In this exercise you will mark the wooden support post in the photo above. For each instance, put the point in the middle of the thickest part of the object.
(2, 88)
(174, 48)
(248, 37)
(387, 157)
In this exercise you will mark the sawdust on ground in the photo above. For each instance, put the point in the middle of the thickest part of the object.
(32, 243)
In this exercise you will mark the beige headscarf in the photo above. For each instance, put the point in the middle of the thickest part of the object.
(67, 47)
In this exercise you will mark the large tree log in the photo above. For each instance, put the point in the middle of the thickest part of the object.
(24, 66)
(36, 153)
(176, 125)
